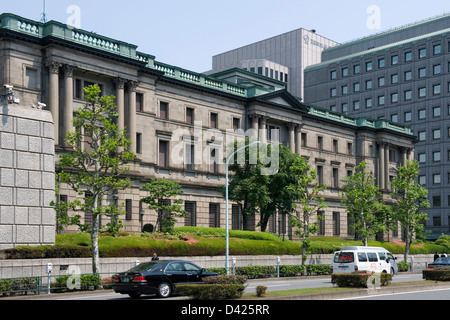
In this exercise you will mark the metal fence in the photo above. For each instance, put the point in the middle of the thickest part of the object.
(53, 284)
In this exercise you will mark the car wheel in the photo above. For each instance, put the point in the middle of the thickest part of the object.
(164, 290)
(134, 295)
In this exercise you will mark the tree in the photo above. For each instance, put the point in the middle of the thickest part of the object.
(362, 200)
(411, 197)
(306, 190)
(163, 200)
(282, 199)
(247, 186)
(94, 165)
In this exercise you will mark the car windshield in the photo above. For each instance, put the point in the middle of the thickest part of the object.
(443, 260)
(344, 257)
(146, 266)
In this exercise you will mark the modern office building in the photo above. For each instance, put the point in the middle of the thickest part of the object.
(401, 76)
(173, 116)
(283, 57)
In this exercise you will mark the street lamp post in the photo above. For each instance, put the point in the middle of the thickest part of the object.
(227, 238)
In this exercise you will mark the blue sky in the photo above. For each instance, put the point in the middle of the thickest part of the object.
(188, 33)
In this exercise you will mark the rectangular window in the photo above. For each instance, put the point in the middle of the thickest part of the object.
(164, 110)
(236, 123)
(190, 219)
(138, 143)
(336, 223)
(128, 209)
(139, 102)
(236, 217)
(335, 178)
(214, 215)
(321, 222)
(320, 175)
(189, 115)
(31, 78)
(163, 153)
(213, 120)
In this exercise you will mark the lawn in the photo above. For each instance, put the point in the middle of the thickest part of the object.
(195, 241)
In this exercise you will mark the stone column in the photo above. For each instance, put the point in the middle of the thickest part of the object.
(263, 130)
(381, 163)
(298, 143)
(120, 86)
(131, 128)
(53, 95)
(292, 146)
(255, 125)
(68, 99)
(386, 166)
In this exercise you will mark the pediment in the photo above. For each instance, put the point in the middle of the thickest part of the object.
(284, 99)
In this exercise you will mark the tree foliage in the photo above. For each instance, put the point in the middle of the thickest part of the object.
(306, 192)
(411, 198)
(364, 204)
(163, 199)
(94, 165)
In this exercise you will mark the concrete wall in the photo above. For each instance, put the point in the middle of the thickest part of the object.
(27, 177)
(109, 266)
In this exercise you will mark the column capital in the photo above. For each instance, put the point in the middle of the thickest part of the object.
(120, 83)
(132, 85)
(68, 70)
(53, 66)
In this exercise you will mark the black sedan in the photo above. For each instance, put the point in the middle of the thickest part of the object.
(440, 262)
(158, 277)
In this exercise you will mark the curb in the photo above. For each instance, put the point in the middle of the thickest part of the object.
(361, 292)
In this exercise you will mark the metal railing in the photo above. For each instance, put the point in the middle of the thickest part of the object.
(48, 284)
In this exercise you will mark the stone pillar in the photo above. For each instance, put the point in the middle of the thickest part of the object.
(292, 146)
(298, 143)
(120, 86)
(255, 125)
(131, 128)
(53, 95)
(68, 99)
(386, 166)
(381, 163)
(263, 130)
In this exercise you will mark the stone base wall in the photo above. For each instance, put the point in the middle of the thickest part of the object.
(27, 177)
(109, 266)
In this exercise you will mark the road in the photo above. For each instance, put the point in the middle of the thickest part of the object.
(438, 294)
(274, 284)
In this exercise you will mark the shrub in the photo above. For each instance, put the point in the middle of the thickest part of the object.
(403, 266)
(223, 279)
(211, 291)
(358, 279)
(261, 291)
(86, 281)
(215, 288)
(437, 274)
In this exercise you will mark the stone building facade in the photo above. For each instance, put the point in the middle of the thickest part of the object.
(173, 115)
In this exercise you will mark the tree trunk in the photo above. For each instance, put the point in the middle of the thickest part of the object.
(407, 241)
(94, 245)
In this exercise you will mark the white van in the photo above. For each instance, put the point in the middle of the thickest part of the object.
(370, 259)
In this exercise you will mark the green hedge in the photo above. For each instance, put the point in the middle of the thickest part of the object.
(214, 288)
(358, 279)
(438, 274)
(255, 272)
(18, 286)
(87, 281)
